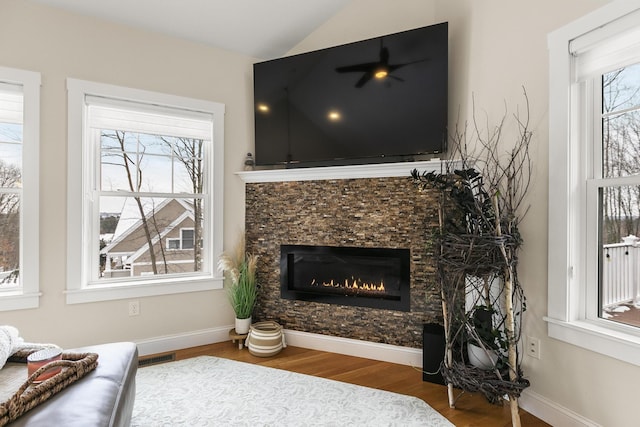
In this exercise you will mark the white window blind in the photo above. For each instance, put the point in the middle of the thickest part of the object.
(148, 119)
(11, 103)
(607, 48)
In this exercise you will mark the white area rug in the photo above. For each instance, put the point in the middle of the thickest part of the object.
(210, 391)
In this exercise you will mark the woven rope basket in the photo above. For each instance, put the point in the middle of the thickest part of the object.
(265, 339)
(29, 395)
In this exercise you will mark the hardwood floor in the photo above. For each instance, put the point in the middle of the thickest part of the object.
(471, 409)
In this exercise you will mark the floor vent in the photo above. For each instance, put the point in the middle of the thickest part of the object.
(156, 359)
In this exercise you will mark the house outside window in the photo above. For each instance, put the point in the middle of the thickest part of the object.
(19, 176)
(145, 179)
(594, 182)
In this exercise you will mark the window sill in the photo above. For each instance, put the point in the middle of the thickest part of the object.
(19, 301)
(595, 337)
(110, 292)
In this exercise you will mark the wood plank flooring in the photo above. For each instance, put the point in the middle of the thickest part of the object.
(471, 409)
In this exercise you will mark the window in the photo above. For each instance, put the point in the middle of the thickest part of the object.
(19, 176)
(188, 237)
(145, 183)
(594, 182)
(616, 187)
(184, 242)
(173, 243)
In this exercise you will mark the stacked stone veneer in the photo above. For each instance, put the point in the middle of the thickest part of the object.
(371, 212)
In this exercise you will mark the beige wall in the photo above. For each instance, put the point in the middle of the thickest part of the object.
(60, 45)
(497, 46)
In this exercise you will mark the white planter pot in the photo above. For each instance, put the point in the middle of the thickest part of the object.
(483, 359)
(243, 325)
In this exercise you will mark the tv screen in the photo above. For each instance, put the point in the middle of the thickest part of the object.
(372, 101)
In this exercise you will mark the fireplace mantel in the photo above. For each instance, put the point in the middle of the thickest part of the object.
(380, 170)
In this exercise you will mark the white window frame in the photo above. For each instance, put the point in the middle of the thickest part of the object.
(80, 217)
(573, 243)
(28, 295)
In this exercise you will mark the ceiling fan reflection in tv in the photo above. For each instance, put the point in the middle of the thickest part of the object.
(342, 106)
(380, 69)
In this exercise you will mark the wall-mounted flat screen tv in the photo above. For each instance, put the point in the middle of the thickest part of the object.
(378, 100)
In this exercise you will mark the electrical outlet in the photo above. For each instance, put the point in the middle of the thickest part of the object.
(134, 308)
(533, 347)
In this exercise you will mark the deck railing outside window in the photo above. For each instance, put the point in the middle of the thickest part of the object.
(620, 271)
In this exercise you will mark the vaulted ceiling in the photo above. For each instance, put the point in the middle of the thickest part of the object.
(262, 29)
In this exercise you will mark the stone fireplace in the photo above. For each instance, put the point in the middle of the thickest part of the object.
(368, 213)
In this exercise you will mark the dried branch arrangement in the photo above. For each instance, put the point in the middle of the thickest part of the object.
(482, 195)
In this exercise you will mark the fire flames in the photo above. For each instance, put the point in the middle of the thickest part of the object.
(351, 284)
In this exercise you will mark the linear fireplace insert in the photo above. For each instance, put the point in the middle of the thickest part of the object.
(364, 277)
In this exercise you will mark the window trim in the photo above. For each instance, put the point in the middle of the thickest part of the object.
(77, 177)
(569, 317)
(29, 294)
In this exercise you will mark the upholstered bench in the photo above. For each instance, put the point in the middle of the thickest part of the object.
(104, 397)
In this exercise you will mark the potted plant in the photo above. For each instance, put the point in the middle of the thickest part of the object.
(482, 348)
(240, 267)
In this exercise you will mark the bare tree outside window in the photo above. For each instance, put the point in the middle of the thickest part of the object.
(164, 178)
(134, 174)
(621, 152)
(190, 153)
(10, 176)
(10, 198)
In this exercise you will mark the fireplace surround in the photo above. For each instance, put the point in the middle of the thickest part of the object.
(379, 212)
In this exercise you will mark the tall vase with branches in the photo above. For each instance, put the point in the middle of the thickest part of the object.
(482, 204)
(242, 291)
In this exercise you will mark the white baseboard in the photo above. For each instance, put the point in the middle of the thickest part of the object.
(351, 347)
(551, 412)
(168, 343)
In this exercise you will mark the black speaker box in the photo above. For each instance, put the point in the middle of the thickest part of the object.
(433, 345)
